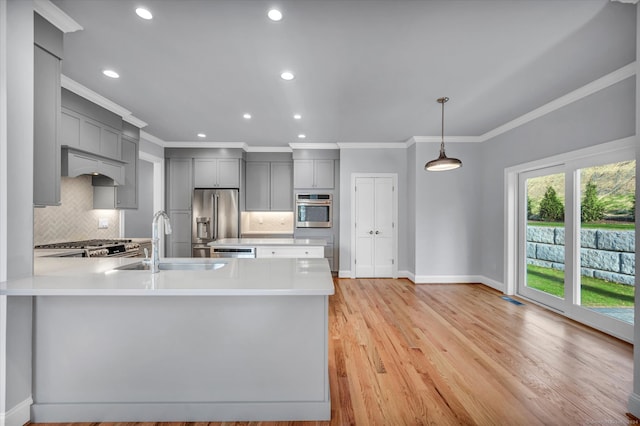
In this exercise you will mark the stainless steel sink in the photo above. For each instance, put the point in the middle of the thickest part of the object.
(171, 266)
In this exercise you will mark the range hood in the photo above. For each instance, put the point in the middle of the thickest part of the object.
(76, 163)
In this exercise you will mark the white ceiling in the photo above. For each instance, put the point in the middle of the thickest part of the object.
(366, 70)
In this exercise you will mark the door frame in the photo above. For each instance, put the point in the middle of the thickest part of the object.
(512, 239)
(352, 220)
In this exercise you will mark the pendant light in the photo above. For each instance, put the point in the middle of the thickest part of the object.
(442, 162)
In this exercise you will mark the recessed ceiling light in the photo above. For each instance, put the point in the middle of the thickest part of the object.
(287, 75)
(274, 15)
(111, 73)
(144, 13)
(297, 116)
(247, 116)
(302, 136)
(202, 135)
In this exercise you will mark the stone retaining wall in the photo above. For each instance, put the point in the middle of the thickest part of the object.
(604, 254)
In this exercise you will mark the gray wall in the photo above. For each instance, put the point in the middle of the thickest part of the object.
(601, 117)
(447, 211)
(411, 208)
(372, 161)
(137, 223)
(634, 401)
(19, 87)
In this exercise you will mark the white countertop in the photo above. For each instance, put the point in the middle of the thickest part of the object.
(253, 242)
(238, 277)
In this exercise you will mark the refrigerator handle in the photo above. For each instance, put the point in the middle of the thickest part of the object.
(215, 215)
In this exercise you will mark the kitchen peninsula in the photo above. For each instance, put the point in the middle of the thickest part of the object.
(208, 340)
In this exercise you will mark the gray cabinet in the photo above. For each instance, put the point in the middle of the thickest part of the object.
(125, 195)
(179, 184)
(281, 186)
(258, 185)
(87, 134)
(216, 173)
(46, 113)
(313, 174)
(179, 188)
(269, 186)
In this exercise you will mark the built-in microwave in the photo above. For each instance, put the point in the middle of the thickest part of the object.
(314, 211)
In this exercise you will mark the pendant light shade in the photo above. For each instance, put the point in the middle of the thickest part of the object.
(442, 162)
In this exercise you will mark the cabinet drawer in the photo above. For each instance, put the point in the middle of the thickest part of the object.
(291, 252)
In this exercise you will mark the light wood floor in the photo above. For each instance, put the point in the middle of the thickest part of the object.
(401, 354)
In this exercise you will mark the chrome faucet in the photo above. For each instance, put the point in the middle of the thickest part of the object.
(155, 238)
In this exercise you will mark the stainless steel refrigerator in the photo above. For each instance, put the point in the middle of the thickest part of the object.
(215, 215)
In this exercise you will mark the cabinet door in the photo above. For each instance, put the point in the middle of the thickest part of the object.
(179, 184)
(257, 186)
(110, 143)
(127, 194)
(323, 173)
(281, 186)
(46, 128)
(303, 174)
(70, 129)
(229, 173)
(90, 132)
(205, 173)
(180, 237)
(104, 197)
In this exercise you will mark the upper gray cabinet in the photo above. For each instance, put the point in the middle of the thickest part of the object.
(88, 127)
(313, 174)
(281, 186)
(216, 173)
(46, 113)
(269, 186)
(125, 195)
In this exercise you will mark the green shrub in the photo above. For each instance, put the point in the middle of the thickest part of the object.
(592, 208)
(551, 208)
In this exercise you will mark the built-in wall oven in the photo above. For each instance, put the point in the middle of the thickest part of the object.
(314, 211)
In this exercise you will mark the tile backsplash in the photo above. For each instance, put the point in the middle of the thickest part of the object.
(75, 218)
(267, 223)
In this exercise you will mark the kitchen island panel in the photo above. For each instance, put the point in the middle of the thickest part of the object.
(215, 358)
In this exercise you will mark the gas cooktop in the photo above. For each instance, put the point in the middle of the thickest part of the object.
(83, 244)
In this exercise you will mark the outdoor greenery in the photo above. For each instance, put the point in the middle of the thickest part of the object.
(592, 209)
(594, 292)
(604, 225)
(610, 187)
(551, 208)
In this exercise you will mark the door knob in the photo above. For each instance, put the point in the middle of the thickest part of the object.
(370, 232)
(377, 232)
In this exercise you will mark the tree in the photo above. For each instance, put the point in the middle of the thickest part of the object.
(592, 208)
(551, 208)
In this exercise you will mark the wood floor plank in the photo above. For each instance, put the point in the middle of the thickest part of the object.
(458, 354)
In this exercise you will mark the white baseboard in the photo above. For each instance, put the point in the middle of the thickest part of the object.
(496, 285)
(344, 274)
(18, 415)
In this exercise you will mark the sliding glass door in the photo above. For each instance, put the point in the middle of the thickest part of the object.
(542, 225)
(576, 238)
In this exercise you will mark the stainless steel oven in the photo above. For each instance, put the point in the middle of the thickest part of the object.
(314, 211)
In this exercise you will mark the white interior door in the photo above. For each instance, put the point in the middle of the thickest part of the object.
(375, 234)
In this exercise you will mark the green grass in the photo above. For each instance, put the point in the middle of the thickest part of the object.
(619, 225)
(594, 291)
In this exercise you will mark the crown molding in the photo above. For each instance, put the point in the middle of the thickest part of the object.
(57, 17)
(150, 138)
(447, 139)
(268, 149)
(371, 145)
(303, 145)
(98, 99)
(625, 1)
(584, 91)
(197, 144)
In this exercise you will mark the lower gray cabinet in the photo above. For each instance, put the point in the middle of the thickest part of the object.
(179, 241)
